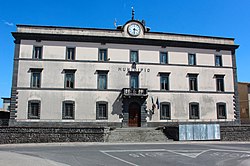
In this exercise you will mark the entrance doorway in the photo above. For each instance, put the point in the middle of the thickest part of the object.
(134, 115)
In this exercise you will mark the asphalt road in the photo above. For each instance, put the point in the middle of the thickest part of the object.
(100, 154)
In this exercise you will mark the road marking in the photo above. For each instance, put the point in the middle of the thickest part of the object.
(117, 158)
(227, 150)
(188, 153)
(138, 150)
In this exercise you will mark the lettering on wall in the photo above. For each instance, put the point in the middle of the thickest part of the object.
(125, 69)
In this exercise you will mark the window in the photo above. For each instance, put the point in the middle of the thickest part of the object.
(101, 110)
(163, 58)
(221, 111)
(219, 83)
(194, 111)
(134, 56)
(218, 60)
(164, 81)
(134, 80)
(191, 59)
(193, 82)
(35, 78)
(69, 82)
(37, 52)
(34, 109)
(165, 113)
(102, 79)
(68, 111)
(102, 55)
(70, 54)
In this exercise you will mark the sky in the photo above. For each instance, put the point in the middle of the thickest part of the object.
(222, 18)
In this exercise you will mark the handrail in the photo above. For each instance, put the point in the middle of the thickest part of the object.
(135, 92)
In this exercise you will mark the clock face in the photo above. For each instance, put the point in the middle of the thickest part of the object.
(134, 29)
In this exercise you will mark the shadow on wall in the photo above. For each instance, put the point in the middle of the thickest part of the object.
(150, 113)
(117, 106)
(172, 132)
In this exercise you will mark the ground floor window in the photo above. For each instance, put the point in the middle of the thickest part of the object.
(165, 113)
(34, 109)
(194, 111)
(101, 110)
(221, 111)
(68, 110)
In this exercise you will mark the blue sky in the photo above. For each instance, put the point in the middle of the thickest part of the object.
(226, 18)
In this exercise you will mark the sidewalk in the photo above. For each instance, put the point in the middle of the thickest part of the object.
(11, 158)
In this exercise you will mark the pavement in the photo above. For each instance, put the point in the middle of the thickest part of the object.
(148, 154)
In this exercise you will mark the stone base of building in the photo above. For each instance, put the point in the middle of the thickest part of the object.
(13, 135)
(235, 133)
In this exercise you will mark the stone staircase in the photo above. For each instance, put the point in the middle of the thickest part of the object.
(135, 134)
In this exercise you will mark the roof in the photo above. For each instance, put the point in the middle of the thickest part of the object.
(117, 30)
(120, 36)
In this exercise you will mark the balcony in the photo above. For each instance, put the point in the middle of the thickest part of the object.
(135, 92)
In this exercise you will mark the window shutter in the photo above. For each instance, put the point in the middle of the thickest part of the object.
(97, 110)
(29, 109)
(63, 109)
(106, 110)
(39, 108)
(73, 113)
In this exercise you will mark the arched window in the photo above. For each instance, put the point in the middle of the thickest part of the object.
(221, 110)
(68, 111)
(34, 107)
(101, 110)
(194, 112)
(165, 111)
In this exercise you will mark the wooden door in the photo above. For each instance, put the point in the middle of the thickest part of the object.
(134, 115)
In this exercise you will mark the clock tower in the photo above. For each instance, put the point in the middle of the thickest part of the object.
(134, 28)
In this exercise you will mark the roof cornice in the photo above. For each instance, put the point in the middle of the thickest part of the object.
(119, 30)
(120, 40)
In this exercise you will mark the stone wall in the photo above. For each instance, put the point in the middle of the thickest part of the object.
(11, 135)
(235, 133)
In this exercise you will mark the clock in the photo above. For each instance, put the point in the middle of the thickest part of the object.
(134, 29)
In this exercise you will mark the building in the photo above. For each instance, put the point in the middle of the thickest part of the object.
(6, 104)
(244, 92)
(5, 112)
(128, 76)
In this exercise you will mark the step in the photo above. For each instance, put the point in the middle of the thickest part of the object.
(136, 135)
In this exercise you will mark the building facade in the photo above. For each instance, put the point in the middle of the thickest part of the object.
(5, 112)
(6, 104)
(244, 92)
(127, 76)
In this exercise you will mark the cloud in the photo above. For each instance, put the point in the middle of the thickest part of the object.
(8, 23)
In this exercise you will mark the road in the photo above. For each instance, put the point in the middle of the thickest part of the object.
(144, 154)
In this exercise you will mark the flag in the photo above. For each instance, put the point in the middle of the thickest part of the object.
(153, 104)
(157, 103)
(152, 99)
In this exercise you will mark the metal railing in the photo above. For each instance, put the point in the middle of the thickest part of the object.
(143, 92)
